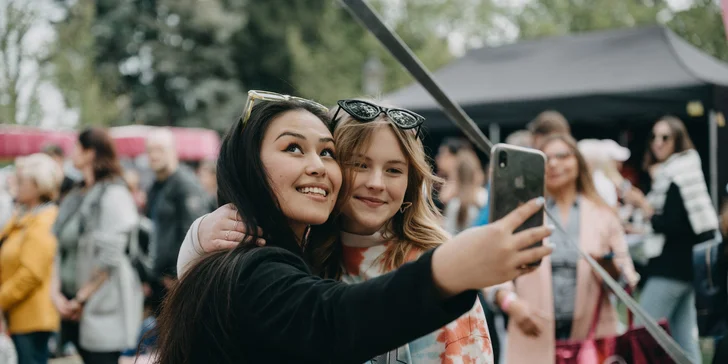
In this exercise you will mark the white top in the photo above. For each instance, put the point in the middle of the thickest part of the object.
(605, 188)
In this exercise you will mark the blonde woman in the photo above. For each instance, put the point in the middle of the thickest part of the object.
(387, 219)
(461, 210)
(26, 259)
(558, 300)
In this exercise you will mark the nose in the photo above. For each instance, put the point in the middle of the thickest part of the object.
(315, 166)
(551, 162)
(375, 180)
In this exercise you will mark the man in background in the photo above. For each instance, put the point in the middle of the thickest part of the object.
(174, 201)
(547, 123)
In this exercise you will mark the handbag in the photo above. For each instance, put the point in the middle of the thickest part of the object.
(636, 346)
(709, 265)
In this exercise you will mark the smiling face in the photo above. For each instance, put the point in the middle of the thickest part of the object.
(378, 184)
(297, 153)
(562, 167)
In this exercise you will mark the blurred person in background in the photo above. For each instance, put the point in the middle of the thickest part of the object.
(56, 152)
(7, 202)
(133, 181)
(207, 173)
(545, 124)
(99, 295)
(27, 250)
(469, 179)
(446, 163)
(174, 201)
(558, 300)
(683, 217)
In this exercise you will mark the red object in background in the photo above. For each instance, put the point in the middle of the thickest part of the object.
(724, 8)
(193, 144)
(17, 141)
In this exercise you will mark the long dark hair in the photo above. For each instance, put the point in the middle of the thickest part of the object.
(197, 323)
(106, 164)
(679, 135)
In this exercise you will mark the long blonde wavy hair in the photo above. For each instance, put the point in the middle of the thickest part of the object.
(416, 229)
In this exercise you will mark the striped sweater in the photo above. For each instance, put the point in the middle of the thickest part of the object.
(465, 340)
(685, 170)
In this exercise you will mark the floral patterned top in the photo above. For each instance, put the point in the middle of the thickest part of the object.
(465, 340)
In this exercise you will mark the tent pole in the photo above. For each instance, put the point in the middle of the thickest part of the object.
(713, 155)
(494, 132)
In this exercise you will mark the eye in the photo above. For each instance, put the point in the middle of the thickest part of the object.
(293, 148)
(328, 152)
(359, 165)
(395, 171)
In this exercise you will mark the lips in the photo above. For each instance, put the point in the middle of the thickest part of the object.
(370, 201)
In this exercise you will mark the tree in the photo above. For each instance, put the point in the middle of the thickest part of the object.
(19, 63)
(74, 71)
(558, 17)
(702, 25)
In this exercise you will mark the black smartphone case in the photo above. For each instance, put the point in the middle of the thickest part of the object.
(520, 180)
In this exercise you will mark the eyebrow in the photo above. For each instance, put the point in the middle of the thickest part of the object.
(391, 161)
(301, 136)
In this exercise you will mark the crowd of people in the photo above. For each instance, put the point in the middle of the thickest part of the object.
(85, 263)
(335, 240)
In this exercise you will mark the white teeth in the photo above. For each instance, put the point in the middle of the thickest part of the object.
(315, 190)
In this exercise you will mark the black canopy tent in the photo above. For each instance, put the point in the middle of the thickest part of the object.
(623, 77)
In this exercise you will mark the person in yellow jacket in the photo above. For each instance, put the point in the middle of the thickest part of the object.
(27, 251)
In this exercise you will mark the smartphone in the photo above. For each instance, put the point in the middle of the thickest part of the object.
(516, 176)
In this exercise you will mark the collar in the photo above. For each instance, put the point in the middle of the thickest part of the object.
(362, 241)
(550, 202)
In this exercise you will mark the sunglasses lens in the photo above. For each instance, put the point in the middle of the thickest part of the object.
(403, 118)
(363, 110)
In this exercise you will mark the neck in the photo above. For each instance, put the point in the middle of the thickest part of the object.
(565, 196)
(299, 230)
(29, 205)
(88, 176)
(166, 172)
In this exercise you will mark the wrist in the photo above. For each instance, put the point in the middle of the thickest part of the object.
(444, 275)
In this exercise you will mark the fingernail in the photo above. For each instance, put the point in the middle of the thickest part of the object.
(540, 201)
(548, 244)
(551, 227)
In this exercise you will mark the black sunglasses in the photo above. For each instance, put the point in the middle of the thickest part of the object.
(366, 112)
(663, 137)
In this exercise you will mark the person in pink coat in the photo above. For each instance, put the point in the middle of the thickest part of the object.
(558, 300)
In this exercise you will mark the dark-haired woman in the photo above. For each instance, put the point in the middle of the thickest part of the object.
(263, 304)
(99, 294)
(684, 216)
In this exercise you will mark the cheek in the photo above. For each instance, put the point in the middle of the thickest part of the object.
(397, 188)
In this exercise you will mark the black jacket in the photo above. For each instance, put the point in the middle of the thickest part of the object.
(173, 204)
(676, 260)
(288, 315)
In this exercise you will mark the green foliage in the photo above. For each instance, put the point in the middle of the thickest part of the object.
(73, 69)
(702, 25)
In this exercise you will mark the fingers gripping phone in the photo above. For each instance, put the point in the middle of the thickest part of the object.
(516, 176)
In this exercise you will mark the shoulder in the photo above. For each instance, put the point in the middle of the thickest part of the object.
(602, 212)
(186, 179)
(271, 257)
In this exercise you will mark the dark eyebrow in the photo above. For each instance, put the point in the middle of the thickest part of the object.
(301, 136)
(295, 135)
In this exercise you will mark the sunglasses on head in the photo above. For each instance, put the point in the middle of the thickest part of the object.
(365, 112)
(257, 95)
(662, 137)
